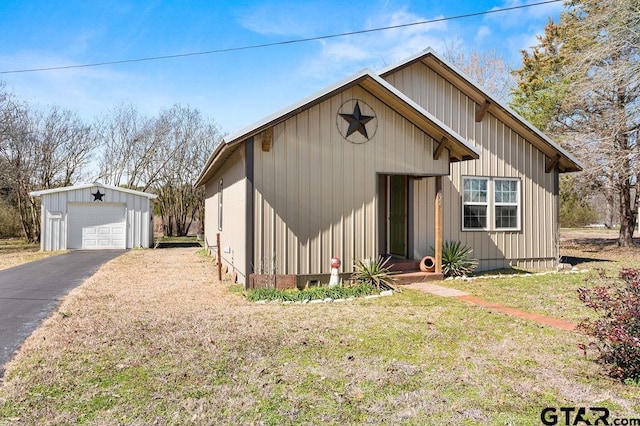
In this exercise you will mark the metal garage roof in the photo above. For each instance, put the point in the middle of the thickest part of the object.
(92, 185)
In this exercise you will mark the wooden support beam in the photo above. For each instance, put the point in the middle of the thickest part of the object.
(267, 138)
(456, 157)
(444, 143)
(438, 225)
(481, 110)
(552, 163)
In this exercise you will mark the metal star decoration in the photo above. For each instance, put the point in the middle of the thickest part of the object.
(97, 196)
(357, 121)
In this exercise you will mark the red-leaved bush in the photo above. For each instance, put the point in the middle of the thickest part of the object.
(617, 326)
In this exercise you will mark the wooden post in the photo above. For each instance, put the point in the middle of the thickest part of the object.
(219, 257)
(438, 224)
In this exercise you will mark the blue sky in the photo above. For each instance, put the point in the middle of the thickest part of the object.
(234, 88)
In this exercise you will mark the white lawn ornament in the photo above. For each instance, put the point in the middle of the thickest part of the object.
(335, 278)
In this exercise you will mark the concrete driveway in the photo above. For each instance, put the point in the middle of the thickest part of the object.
(29, 293)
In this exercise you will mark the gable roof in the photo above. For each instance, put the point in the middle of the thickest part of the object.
(459, 148)
(566, 162)
(92, 185)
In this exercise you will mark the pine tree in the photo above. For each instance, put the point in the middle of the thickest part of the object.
(582, 83)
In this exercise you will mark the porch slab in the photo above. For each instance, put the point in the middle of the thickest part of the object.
(412, 277)
(437, 290)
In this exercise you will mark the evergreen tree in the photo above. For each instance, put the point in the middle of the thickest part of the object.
(582, 83)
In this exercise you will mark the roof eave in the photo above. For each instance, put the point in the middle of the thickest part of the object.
(91, 185)
(568, 162)
(462, 148)
(254, 129)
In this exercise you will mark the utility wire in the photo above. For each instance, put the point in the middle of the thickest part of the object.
(280, 43)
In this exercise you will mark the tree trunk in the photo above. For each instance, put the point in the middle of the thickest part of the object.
(628, 217)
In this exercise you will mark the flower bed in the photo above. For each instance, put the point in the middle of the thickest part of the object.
(318, 293)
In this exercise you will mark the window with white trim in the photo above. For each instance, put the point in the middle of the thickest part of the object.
(491, 204)
(220, 205)
(475, 203)
(506, 204)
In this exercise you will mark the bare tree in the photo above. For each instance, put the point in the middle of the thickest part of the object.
(602, 107)
(130, 146)
(39, 150)
(164, 153)
(19, 154)
(487, 69)
(583, 81)
(184, 151)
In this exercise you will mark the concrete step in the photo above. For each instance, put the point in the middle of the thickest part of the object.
(412, 277)
(404, 265)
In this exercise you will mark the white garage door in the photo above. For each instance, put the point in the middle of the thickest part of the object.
(96, 226)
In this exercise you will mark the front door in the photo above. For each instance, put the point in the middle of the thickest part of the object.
(397, 215)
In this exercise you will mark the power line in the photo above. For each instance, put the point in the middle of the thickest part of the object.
(279, 43)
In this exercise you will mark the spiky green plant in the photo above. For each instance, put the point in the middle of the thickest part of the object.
(457, 260)
(376, 273)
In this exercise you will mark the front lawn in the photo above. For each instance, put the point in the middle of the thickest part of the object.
(152, 339)
(15, 251)
(555, 294)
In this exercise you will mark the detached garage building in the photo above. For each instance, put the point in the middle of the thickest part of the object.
(95, 216)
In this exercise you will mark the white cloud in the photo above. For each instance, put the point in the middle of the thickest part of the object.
(483, 33)
(345, 51)
(82, 41)
(523, 41)
(340, 57)
(544, 10)
(524, 17)
(87, 91)
(281, 19)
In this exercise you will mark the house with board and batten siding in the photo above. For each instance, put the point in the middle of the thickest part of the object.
(390, 163)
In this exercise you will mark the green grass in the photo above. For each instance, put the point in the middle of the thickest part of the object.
(195, 353)
(13, 245)
(169, 241)
(556, 294)
(184, 239)
(410, 359)
(613, 231)
(553, 295)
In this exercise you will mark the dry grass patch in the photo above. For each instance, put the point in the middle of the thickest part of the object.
(152, 339)
(14, 251)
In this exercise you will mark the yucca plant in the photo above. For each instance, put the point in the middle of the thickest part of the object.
(456, 259)
(376, 273)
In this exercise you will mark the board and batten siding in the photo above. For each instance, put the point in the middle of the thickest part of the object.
(316, 195)
(233, 232)
(505, 153)
(54, 219)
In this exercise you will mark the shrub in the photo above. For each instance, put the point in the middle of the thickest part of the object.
(575, 210)
(9, 221)
(337, 292)
(264, 294)
(617, 326)
(456, 259)
(374, 273)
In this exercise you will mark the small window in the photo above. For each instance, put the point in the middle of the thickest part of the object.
(507, 204)
(220, 205)
(475, 203)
